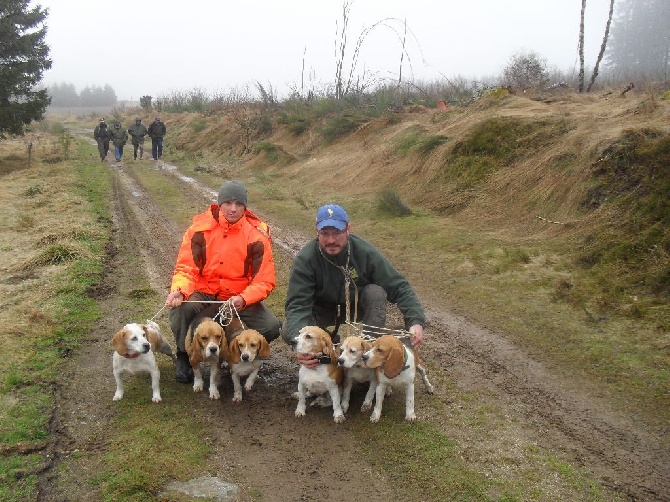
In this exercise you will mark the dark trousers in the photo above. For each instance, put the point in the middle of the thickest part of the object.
(138, 144)
(372, 305)
(103, 147)
(156, 148)
(256, 316)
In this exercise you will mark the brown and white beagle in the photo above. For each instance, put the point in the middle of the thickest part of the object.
(206, 343)
(356, 371)
(246, 353)
(134, 348)
(325, 377)
(396, 365)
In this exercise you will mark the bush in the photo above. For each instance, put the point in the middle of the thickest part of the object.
(389, 203)
(526, 71)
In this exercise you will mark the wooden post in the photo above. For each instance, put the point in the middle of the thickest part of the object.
(30, 152)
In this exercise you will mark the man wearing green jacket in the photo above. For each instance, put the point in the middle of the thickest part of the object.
(119, 139)
(137, 133)
(337, 260)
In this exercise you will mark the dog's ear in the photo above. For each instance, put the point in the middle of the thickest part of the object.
(195, 355)
(119, 342)
(393, 365)
(152, 337)
(264, 349)
(223, 346)
(328, 348)
(234, 351)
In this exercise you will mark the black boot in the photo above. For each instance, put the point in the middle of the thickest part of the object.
(183, 372)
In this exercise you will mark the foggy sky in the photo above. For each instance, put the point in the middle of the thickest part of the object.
(142, 47)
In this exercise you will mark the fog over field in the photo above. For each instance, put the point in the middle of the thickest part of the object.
(142, 48)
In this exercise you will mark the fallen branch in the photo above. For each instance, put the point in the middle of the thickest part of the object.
(550, 221)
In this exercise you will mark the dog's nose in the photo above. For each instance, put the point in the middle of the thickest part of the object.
(365, 358)
(340, 361)
(212, 350)
(146, 347)
(245, 357)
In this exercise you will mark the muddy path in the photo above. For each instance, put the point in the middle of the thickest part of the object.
(559, 413)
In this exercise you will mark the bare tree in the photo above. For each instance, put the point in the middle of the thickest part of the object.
(603, 46)
(581, 47)
(340, 49)
(345, 85)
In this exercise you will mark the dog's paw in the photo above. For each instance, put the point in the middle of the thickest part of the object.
(118, 396)
(366, 407)
(214, 394)
(300, 411)
(248, 388)
(430, 389)
(156, 399)
(410, 418)
(237, 398)
(389, 391)
(339, 418)
(197, 387)
(345, 406)
(374, 418)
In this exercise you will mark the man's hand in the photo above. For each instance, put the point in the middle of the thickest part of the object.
(308, 360)
(174, 299)
(237, 302)
(417, 335)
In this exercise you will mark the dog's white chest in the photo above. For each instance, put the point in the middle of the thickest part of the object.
(317, 380)
(141, 364)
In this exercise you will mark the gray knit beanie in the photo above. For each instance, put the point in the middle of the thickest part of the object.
(233, 190)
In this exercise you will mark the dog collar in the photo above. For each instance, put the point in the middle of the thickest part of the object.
(134, 356)
(404, 361)
(323, 359)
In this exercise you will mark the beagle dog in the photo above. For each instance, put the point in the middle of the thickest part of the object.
(134, 348)
(396, 366)
(206, 343)
(326, 377)
(246, 352)
(355, 370)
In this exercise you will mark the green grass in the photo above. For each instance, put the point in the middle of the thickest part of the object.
(27, 385)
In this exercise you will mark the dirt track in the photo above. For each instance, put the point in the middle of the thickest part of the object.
(631, 459)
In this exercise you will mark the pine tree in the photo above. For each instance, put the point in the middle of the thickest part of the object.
(24, 57)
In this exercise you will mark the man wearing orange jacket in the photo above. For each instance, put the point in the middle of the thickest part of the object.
(225, 254)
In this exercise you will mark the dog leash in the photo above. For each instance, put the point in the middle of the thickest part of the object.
(225, 313)
(371, 333)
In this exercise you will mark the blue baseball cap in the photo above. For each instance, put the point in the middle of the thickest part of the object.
(331, 215)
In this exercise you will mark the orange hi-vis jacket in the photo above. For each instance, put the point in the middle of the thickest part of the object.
(223, 259)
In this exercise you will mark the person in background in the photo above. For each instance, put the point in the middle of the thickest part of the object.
(119, 139)
(338, 263)
(101, 134)
(157, 131)
(225, 254)
(137, 132)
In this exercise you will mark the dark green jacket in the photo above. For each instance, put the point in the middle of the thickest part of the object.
(101, 133)
(119, 135)
(317, 279)
(137, 131)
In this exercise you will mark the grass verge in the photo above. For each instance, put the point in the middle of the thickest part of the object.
(50, 309)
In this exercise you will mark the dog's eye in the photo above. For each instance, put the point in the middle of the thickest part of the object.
(253, 345)
(134, 338)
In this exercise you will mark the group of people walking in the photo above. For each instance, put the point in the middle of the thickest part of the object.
(118, 136)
